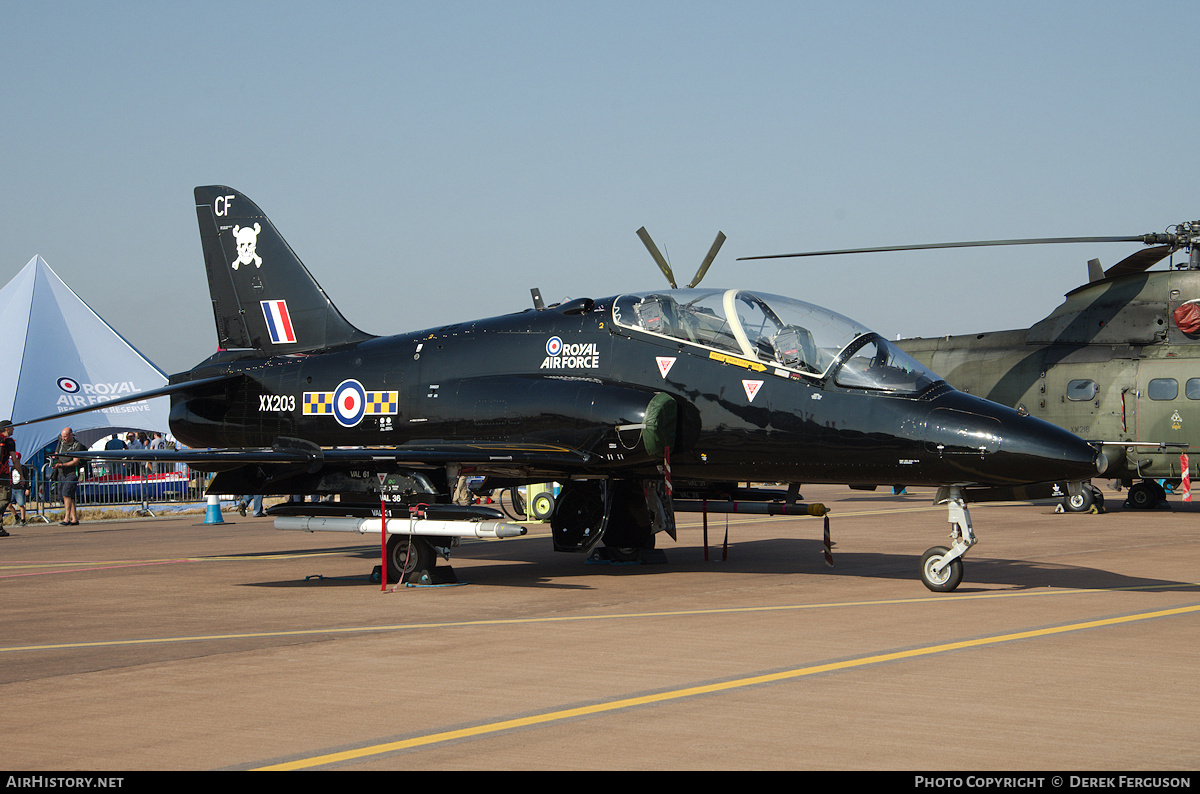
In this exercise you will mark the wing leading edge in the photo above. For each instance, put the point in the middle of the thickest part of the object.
(539, 456)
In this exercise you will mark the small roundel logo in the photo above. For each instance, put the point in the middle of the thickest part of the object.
(554, 346)
(349, 403)
(69, 385)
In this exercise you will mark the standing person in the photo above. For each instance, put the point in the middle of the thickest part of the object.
(20, 490)
(245, 501)
(8, 448)
(131, 442)
(114, 467)
(157, 442)
(66, 471)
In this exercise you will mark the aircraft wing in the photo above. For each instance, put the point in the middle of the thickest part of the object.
(424, 454)
(477, 454)
(197, 385)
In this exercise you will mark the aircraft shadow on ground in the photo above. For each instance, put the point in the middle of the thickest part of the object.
(1013, 574)
(526, 564)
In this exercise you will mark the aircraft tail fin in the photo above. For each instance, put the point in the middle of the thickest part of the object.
(263, 296)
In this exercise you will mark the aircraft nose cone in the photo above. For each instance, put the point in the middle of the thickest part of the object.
(1044, 453)
(998, 446)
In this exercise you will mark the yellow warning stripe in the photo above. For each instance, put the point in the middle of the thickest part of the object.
(737, 362)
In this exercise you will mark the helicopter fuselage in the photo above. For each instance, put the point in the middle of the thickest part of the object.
(1111, 364)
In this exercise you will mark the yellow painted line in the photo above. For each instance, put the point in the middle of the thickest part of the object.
(18, 565)
(47, 570)
(708, 689)
(929, 599)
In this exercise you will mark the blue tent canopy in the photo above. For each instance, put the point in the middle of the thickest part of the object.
(69, 357)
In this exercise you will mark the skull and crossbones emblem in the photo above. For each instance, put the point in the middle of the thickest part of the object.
(247, 241)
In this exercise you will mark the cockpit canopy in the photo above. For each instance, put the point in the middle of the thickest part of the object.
(781, 332)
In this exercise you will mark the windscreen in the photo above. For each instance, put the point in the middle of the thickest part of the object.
(783, 332)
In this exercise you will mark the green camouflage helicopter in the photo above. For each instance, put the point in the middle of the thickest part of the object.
(1118, 363)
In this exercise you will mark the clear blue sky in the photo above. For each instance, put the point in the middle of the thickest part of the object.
(430, 162)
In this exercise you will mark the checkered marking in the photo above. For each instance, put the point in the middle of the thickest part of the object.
(350, 402)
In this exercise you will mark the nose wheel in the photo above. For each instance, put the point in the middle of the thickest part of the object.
(939, 577)
(942, 567)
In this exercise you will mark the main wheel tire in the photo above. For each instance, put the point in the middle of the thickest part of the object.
(407, 554)
(1142, 496)
(950, 576)
(1080, 502)
(579, 518)
(542, 506)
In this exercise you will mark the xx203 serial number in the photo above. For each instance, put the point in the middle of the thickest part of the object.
(276, 402)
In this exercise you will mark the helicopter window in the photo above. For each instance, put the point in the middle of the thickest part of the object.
(1192, 389)
(1081, 390)
(1162, 389)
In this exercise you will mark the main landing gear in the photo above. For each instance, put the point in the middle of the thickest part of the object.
(413, 559)
(941, 567)
(1083, 497)
(1146, 495)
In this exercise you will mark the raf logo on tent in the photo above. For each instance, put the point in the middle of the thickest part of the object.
(93, 393)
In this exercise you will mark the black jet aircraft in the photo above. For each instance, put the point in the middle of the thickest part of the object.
(624, 400)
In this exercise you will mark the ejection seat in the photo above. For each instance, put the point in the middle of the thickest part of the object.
(795, 347)
(660, 314)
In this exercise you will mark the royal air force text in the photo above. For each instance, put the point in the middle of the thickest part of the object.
(574, 356)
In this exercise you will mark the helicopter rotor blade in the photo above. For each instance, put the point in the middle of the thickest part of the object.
(708, 260)
(658, 257)
(1140, 261)
(1142, 238)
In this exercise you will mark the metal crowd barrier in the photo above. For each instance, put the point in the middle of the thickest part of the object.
(116, 483)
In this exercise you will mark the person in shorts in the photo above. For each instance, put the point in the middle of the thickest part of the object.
(8, 448)
(20, 490)
(66, 471)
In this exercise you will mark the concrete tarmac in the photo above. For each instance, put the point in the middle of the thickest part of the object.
(168, 644)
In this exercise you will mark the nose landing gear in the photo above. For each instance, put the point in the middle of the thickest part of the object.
(942, 567)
